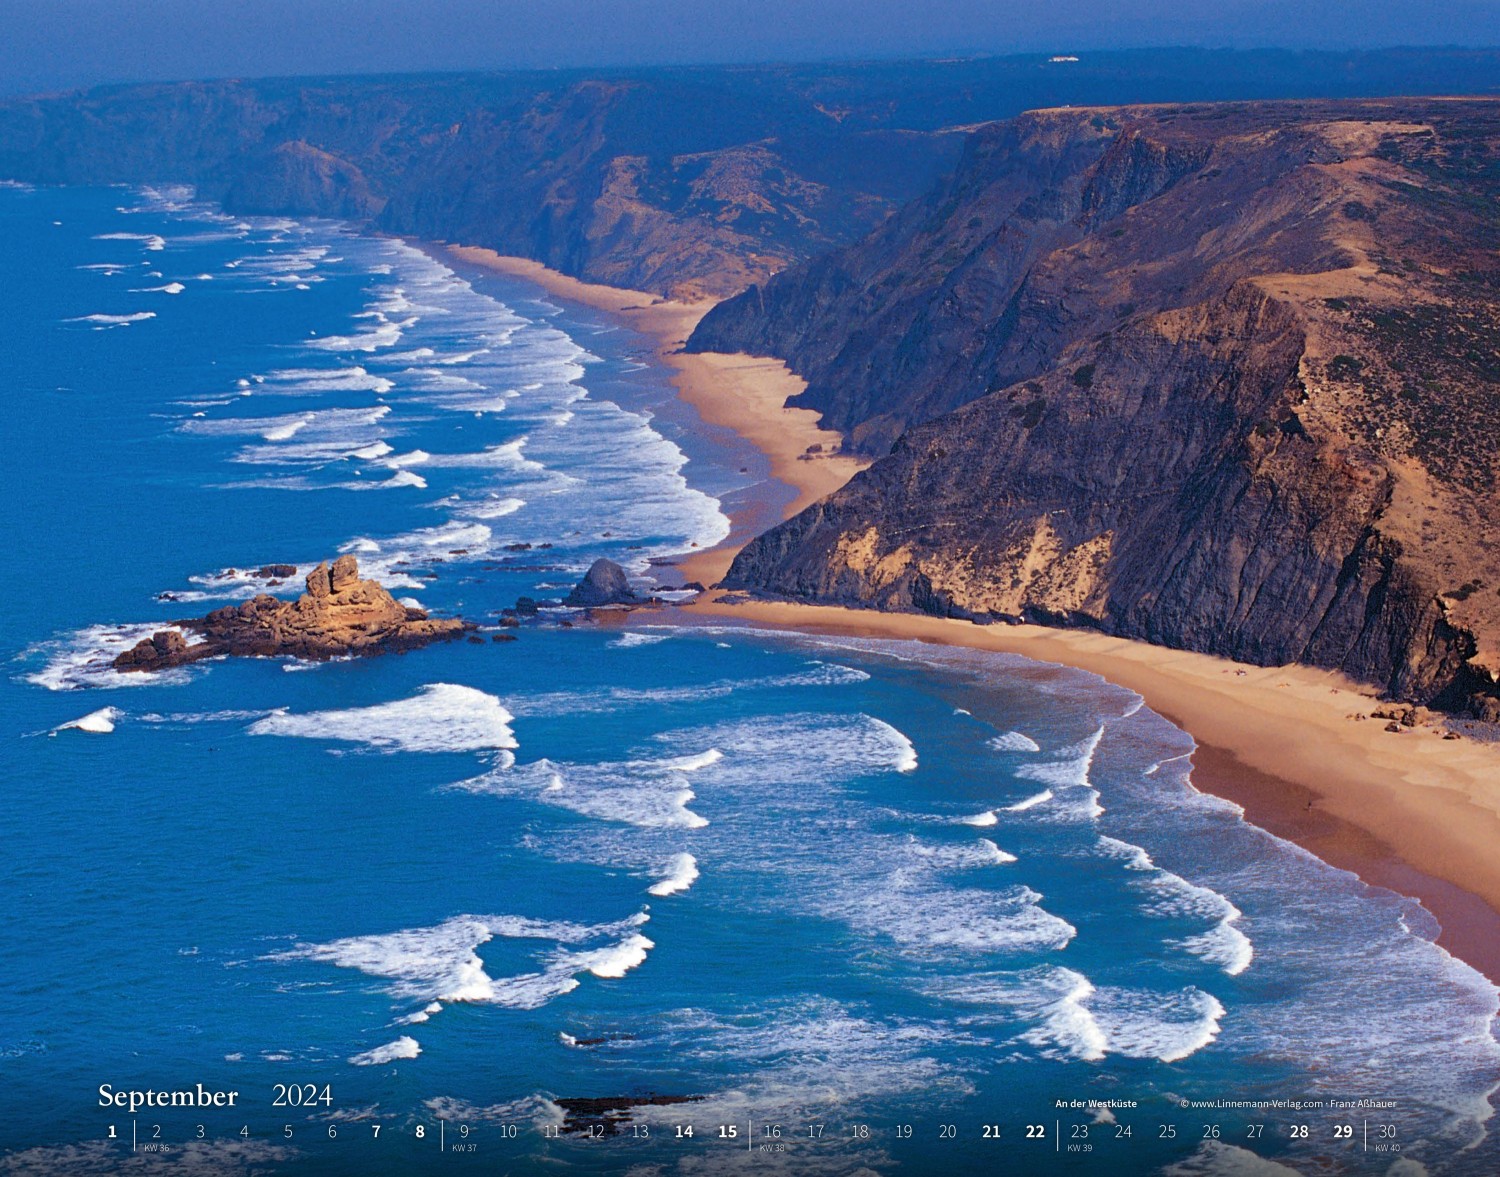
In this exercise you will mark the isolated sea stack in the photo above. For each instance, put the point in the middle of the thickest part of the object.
(338, 614)
(605, 583)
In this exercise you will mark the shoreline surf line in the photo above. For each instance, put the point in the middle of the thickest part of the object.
(1411, 812)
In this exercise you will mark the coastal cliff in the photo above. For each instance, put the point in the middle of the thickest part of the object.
(1218, 377)
(338, 614)
(691, 182)
(687, 183)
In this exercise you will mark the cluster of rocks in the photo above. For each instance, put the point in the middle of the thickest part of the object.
(339, 614)
(1401, 717)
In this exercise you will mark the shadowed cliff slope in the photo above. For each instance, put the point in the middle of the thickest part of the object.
(1220, 377)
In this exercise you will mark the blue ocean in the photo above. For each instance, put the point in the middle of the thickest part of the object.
(648, 898)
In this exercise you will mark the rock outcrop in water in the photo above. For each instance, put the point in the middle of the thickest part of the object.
(338, 614)
(605, 583)
(1219, 377)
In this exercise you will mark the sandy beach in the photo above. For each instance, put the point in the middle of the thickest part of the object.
(1410, 810)
(745, 394)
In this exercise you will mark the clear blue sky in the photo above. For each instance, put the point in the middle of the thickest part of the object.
(47, 44)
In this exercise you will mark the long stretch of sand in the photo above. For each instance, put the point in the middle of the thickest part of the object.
(745, 394)
(1410, 811)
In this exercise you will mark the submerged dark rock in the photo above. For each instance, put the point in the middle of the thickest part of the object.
(611, 1113)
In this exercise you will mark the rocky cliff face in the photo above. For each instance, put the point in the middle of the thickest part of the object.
(338, 614)
(1223, 378)
(690, 181)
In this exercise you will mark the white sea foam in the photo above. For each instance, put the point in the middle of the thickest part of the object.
(84, 658)
(535, 1109)
(383, 334)
(1067, 781)
(496, 507)
(231, 715)
(1223, 945)
(1013, 742)
(169, 288)
(829, 747)
(103, 322)
(695, 761)
(1070, 1018)
(1214, 1158)
(1164, 1026)
(961, 855)
(612, 961)
(422, 1015)
(287, 429)
(646, 793)
(816, 674)
(987, 818)
(322, 435)
(679, 873)
(907, 759)
(149, 241)
(100, 722)
(401, 1048)
(443, 717)
(1134, 857)
(1065, 1022)
(786, 773)
(238, 584)
(930, 919)
(802, 1057)
(1169, 896)
(506, 456)
(440, 965)
(1030, 802)
(630, 641)
(380, 558)
(305, 381)
(1070, 769)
